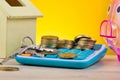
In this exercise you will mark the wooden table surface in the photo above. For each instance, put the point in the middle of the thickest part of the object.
(106, 69)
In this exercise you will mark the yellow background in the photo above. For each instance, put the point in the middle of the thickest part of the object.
(68, 18)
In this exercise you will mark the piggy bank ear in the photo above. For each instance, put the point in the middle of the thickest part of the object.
(111, 1)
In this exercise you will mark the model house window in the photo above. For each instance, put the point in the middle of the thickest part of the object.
(14, 3)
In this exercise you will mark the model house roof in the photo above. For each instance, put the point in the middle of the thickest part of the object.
(19, 9)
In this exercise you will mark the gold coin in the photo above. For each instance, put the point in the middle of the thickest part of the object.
(67, 55)
(9, 69)
(81, 37)
(26, 54)
(50, 37)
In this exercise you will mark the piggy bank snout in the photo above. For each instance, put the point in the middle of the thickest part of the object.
(107, 29)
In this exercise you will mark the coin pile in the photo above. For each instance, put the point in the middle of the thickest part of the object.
(49, 41)
(90, 44)
(65, 44)
(67, 55)
(9, 69)
(80, 42)
(84, 42)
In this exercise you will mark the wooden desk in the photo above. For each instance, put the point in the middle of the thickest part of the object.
(107, 69)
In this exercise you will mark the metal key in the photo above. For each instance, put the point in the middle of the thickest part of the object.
(12, 56)
(20, 50)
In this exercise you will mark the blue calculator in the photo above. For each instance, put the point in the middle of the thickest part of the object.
(84, 58)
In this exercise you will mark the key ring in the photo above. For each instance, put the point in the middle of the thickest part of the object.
(23, 41)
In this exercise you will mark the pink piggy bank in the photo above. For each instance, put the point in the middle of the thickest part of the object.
(110, 28)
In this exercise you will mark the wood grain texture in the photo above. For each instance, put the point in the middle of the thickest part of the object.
(106, 69)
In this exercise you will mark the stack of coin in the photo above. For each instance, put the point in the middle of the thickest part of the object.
(79, 37)
(49, 41)
(90, 44)
(84, 42)
(65, 44)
